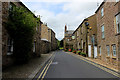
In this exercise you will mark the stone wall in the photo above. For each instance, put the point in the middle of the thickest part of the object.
(6, 60)
(119, 43)
(44, 32)
(45, 47)
(92, 33)
(110, 10)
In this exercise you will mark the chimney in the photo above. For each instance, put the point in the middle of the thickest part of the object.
(65, 28)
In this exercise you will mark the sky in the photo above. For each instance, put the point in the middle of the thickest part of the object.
(58, 13)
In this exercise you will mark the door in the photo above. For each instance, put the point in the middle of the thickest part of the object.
(95, 51)
(89, 50)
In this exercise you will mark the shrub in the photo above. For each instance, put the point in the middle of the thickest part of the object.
(21, 24)
(66, 50)
(74, 51)
(83, 54)
(70, 50)
(79, 52)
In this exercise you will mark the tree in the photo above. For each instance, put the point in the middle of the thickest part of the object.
(20, 26)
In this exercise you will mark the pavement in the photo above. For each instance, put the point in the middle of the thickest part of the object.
(26, 71)
(64, 65)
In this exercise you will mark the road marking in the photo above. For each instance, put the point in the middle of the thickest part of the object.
(105, 69)
(44, 71)
(55, 63)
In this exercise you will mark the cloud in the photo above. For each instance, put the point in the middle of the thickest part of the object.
(57, 14)
(60, 0)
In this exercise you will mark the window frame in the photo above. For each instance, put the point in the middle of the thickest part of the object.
(102, 12)
(100, 50)
(108, 48)
(117, 0)
(103, 31)
(114, 50)
(9, 46)
(117, 22)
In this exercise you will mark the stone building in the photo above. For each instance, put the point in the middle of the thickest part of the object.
(7, 41)
(92, 36)
(45, 39)
(75, 41)
(80, 42)
(85, 38)
(108, 29)
(53, 40)
(48, 39)
(68, 42)
(37, 39)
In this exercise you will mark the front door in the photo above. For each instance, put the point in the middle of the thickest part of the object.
(95, 51)
(89, 50)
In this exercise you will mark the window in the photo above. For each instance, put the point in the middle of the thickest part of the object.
(108, 50)
(9, 46)
(117, 0)
(68, 39)
(114, 50)
(82, 44)
(103, 35)
(118, 23)
(34, 47)
(102, 12)
(10, 7)
(93, 39)
(100, 49)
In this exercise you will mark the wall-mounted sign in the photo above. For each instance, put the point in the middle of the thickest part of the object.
(73, 37)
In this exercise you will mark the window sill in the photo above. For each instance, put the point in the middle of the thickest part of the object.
(107, 56)
(99, 55)
(114, 57)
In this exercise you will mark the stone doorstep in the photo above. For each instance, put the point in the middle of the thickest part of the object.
(31, 76)
(101, 64)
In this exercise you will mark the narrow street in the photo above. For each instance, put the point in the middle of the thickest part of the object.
(63, 65)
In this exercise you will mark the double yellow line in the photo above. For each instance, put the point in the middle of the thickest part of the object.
(103, 68)
(44, 71)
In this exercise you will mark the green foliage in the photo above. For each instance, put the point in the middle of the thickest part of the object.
(61, 43)
(66, 50)
(61, 48)
(83, 54)
(79, 52)
(20, 26)
(74, 51)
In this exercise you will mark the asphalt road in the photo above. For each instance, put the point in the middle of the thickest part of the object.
(66, 66)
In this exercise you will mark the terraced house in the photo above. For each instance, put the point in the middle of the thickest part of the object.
(68, 42)
(108, 29)
(7, 41)
(85, 37)
(48, 39)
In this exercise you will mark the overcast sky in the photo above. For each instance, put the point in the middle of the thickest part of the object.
(58, 13)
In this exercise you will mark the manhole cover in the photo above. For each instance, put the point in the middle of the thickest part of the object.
(54, 62)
